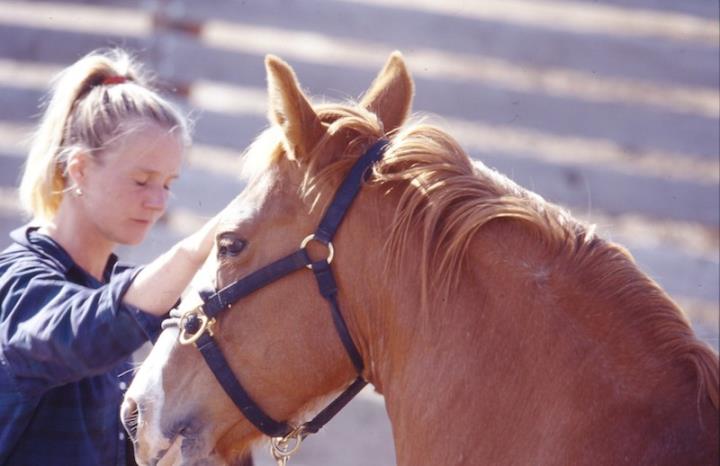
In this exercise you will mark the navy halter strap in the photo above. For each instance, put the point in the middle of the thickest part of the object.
(196, 325)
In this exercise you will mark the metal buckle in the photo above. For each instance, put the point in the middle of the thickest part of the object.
(206, 323)
(283, 447)
(331, 249)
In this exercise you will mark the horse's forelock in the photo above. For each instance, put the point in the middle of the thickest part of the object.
(261, 154)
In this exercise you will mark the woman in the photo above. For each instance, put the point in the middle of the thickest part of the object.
(98, 174)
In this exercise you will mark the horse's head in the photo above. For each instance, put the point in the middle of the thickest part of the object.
(280, 340)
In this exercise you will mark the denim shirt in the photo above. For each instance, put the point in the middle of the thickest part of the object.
(65, 346)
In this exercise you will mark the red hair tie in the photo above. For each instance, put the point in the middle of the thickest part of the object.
(110, 80)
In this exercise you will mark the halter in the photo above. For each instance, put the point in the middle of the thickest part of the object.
(196, 325)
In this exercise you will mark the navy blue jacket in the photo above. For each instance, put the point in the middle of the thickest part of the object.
(65, 346)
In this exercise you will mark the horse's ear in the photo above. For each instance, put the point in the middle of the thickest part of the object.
(291, 110)
(390, 95)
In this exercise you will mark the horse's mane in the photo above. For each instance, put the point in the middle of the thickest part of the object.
(446, 199)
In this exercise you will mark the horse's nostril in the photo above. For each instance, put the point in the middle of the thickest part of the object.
(129, 415)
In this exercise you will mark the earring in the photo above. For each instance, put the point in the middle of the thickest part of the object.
(78, 192)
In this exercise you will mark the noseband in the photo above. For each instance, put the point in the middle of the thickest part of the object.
(196, 325)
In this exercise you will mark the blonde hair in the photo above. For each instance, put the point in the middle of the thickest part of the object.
(91, 103)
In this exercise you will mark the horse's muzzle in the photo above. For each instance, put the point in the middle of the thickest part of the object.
(129, 415)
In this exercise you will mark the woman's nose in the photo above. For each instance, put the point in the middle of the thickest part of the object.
(156, 199)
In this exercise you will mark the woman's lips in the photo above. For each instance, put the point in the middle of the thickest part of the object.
(142, 222)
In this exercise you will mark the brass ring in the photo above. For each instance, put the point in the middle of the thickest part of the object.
(205, 324)
(283, 447)
(331, 249)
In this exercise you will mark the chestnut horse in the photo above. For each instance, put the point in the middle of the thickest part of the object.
(499, 329)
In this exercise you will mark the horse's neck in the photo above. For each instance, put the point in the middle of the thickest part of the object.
(510, 354)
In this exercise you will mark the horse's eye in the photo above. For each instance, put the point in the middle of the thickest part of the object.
(230, 246)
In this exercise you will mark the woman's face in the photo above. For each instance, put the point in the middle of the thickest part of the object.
(126, 188)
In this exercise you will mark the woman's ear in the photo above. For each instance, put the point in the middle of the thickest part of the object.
(77, 166)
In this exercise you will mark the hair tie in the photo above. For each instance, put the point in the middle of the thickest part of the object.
(110, 80)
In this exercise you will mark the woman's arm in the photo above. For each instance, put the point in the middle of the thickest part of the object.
(157, 287)
(54, 331)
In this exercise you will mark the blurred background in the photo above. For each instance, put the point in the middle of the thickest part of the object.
(610, 108)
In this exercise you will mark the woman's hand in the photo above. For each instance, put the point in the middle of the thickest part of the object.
(198, 245)
(157, 287)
